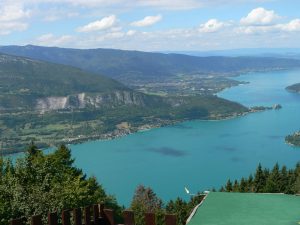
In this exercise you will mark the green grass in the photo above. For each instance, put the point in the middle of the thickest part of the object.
(248, 209)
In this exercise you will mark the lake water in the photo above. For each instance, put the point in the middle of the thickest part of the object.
(201, 154)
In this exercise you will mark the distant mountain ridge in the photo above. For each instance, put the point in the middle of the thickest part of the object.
(129, 66)
(292, 53)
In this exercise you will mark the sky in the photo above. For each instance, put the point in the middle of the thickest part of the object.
(151, 25)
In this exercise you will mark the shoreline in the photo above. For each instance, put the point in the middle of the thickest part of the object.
(148, 127)
(119, 133)
(116, 134)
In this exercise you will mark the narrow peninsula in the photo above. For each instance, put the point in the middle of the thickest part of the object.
(293, 139)
(294, 88)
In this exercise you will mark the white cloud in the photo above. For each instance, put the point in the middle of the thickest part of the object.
(257, 29)
(293, 25)
(131, 32)
(91, 3)
(254, 30)
(114, 35)
(182, 39)
(52, 40)
(147, 21)
(121, 4)
(12, 12)
(8, 27)
(259, 16)
(212, 25)
(58, 14)
(162, 4)
(170, 4)
(103, 24)
(12, 17)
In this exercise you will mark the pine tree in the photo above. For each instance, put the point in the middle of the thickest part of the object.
(297, 179)
(243, 186)
(259, 180)
(180, 208)
(250, 183)
(273, 181)
(146, 200)
(228, 186)
(284, 180)
(236, 186)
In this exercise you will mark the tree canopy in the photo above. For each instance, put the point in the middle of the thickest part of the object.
(39, 183)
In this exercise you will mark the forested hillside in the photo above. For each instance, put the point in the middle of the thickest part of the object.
(51, 103)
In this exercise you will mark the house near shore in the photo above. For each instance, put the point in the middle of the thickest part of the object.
(223, 208)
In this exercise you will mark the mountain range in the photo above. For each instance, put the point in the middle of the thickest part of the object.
(132, 66)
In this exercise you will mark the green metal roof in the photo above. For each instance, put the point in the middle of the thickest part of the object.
(223, 208)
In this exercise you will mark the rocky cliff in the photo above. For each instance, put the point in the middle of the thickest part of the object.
(86, 100)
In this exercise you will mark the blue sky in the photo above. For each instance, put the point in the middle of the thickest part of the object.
(152, 25)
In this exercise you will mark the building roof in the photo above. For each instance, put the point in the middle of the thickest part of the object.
(223, 208)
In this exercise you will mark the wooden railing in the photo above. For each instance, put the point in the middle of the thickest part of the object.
(91, 215)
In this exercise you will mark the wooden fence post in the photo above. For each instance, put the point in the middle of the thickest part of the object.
(149, 218)
(77, 216)
(128, 217)
(101, 210)
(36, 220)
(109, 216)
(52, 218)
(87, 215)
(101, 215)
(96, 214)
(20, 221)
(65, 216)
(170, 219)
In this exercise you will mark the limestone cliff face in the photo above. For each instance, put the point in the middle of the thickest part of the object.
(84, 100)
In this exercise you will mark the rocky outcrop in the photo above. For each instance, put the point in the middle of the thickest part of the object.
(84, 100)
(52, 103)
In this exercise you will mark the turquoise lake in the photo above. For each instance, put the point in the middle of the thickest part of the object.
(201, 154)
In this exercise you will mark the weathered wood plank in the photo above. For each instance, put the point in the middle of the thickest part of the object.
(20, 221)
(36, 220)
(109, 216)
(52, 218)
(77, 216)
(149, 218)
(65, 217)
(87, 215)
(170, 219)
(128, 217)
